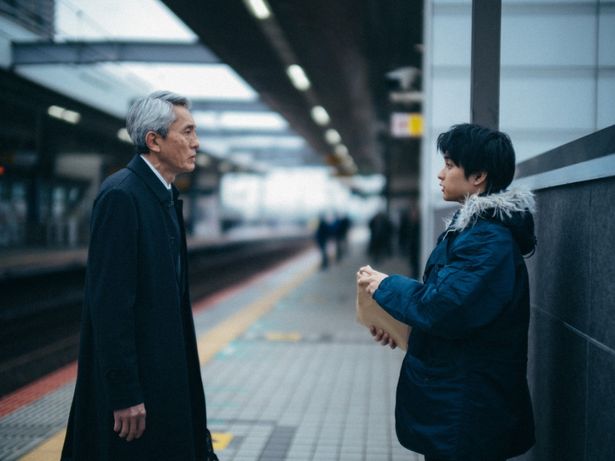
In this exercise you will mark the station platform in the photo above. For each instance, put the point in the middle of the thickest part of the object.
(288, 373)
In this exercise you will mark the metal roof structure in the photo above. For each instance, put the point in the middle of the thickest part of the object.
(347, 48)
(354, 57)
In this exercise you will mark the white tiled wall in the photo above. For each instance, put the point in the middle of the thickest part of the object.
(557, 78)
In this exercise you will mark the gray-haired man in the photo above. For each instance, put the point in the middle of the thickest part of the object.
(139, 394)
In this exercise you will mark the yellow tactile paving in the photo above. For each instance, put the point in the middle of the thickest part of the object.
(290, 336)
(217, 339)
(50, 449)
(221, 440)
(209, 344)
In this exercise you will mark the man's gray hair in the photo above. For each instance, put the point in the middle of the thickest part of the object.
(152, 113)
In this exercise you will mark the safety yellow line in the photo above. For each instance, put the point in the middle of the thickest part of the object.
(218, 338)
(50, 449)
(209, 344)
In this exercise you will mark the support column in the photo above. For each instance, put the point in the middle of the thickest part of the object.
(485, 70)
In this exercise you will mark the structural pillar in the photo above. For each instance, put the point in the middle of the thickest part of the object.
(485, 68)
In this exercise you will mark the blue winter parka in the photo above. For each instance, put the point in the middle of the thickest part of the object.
(462, 392)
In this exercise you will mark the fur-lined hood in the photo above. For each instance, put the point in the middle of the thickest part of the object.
(513, 208)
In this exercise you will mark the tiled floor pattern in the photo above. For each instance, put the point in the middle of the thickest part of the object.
(304, 382)
(307, 380)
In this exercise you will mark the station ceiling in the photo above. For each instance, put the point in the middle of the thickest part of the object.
(346, 48)
(355, 53)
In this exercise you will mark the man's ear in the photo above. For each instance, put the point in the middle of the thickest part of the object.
(479, 178)
(151, 141)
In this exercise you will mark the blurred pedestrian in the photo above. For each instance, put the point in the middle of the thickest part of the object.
(462, 391)
(414, 238)
(139, 394)
(322, 236)
(380, 238)
(409, 238)
(341, 227)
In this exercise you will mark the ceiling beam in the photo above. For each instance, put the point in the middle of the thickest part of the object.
(232, 133)
(229, 106)
(86, 52)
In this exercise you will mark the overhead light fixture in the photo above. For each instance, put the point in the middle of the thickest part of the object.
(320, 115)
(332, 136)
(64, 114)
(341, 151)
(298, 78)
(252, 120)
(123, 135)
(258, 8)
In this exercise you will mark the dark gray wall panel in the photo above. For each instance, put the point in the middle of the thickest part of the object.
(600, 444)
(572, 332)
(602, 255)
(561, 283)
(558, 391)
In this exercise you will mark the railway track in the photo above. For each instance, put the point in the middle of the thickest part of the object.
(40, 314)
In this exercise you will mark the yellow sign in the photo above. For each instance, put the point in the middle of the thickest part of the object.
(415, 125)
(406, 125)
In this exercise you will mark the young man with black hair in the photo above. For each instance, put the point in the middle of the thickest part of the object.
(462, 391)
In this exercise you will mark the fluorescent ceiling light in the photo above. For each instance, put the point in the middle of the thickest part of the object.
(341, 151)
(372, 184)
(320, 115)
(220, 146)
(71, 117)
(242, 158)
(93, 19)
(196, 81)
(123, 135)
(258, 8)
(206, 119)
(55, 111)
(297, 77)
(210, 120)
(257, 141)
(348, 162)
(64, 114)
(252, 120)
(332, 136)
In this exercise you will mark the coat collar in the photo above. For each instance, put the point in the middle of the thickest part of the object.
(144, 172)
(500, 205)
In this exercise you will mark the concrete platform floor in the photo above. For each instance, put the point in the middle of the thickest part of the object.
(288, 373)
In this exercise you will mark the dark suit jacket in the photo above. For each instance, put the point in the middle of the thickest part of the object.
(137, 336)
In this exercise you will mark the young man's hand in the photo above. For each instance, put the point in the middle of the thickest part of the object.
(130, 422)
(370, 279)
(382, 337)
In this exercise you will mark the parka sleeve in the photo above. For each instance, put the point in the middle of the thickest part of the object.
(467, 293)
(112, 286)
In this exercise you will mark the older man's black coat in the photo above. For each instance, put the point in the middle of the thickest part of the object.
(137, 335)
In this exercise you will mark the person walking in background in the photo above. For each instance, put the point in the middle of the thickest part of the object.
(414, 240)
(409, 238)
(341, 227)
(322, 235)
(462, 391)
(139, 394)
(380, 238)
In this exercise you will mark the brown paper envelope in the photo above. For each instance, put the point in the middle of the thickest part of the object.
(369, 313)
